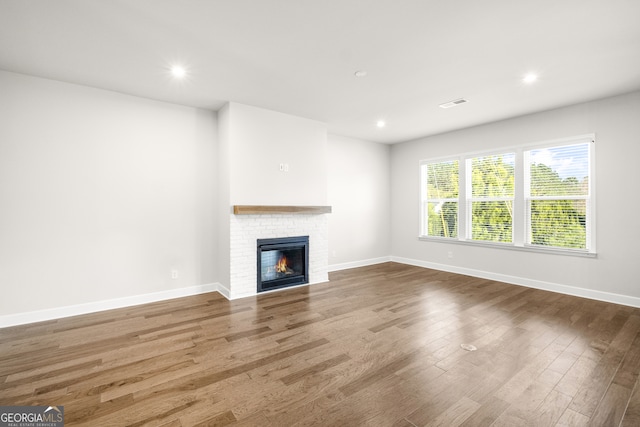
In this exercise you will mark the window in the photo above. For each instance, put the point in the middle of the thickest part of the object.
(440, 199)
(492, 193)
(557, 196)
(537, 197)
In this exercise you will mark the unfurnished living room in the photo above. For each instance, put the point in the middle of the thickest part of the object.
(319, 213)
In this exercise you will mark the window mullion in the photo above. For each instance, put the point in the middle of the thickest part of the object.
(465, 199)
(519, 206)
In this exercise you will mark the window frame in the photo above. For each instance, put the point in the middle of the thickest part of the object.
(520, 225)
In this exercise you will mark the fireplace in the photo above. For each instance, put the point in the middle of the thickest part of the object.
(282, 262)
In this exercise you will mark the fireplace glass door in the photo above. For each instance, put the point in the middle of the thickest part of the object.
(282, 262)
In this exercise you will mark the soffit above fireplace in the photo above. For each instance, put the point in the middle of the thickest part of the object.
(269, 210)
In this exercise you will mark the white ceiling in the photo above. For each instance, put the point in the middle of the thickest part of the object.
(299, 56)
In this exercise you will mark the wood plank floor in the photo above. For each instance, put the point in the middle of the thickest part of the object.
(377, 346)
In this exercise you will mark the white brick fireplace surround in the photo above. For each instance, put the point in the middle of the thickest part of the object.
(245, 230)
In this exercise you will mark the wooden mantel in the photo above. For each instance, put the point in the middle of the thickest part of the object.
(268, 210)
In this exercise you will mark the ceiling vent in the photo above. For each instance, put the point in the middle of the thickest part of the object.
(453, 103)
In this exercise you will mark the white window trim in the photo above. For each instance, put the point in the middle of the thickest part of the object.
(520, 219)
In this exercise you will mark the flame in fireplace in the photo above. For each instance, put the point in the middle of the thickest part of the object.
(281, 266)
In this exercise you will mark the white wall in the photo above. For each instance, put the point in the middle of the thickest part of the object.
(359, 193)
(262, 139)
(101, 194)
(616, 270)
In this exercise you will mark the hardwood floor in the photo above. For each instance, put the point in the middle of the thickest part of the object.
(377, 346)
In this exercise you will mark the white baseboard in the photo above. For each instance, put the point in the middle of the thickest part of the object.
(356, 264)
(92, 307)
(530, 283)
(224, 291)
(74, 310)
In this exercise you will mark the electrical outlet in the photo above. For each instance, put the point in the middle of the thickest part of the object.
(450, 254)
(174, 274)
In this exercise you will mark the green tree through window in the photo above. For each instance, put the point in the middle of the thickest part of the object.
(558, 205)
(492, 193)
(441, 208)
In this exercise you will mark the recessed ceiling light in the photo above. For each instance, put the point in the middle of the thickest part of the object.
(360, 73)
(529, 78)
(178, 72)
(381, 123)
